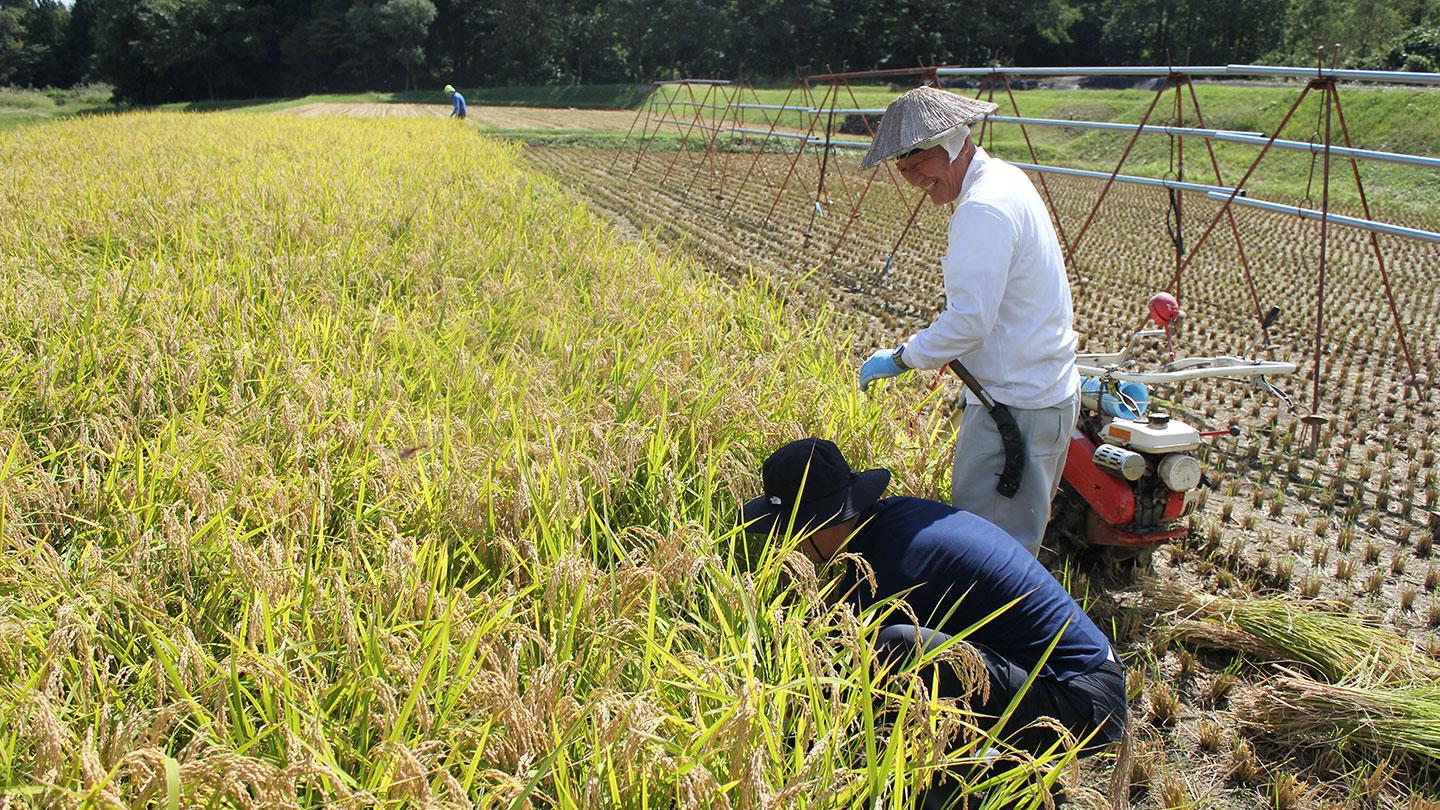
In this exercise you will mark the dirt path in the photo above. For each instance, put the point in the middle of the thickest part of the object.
(483, 117)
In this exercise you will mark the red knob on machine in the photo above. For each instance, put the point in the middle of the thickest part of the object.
(1164, 308)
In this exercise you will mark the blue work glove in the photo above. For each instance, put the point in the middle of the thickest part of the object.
(880, 365)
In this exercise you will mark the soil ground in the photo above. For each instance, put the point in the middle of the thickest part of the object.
(489, 118)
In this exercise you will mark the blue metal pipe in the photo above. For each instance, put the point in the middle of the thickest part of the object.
(1338, 219)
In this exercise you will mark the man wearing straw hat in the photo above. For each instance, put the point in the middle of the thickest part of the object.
(1007, 317)
(959, 576)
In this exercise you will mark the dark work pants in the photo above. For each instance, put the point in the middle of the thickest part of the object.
(1082, 704)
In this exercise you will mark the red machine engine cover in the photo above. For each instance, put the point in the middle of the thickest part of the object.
(1112, 502)
(1111, 498)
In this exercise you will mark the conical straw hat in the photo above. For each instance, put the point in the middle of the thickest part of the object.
(919, 115)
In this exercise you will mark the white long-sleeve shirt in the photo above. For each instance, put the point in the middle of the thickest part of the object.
(1007, 314)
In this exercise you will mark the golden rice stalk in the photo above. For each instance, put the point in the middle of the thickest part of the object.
(350, 463)
(1335, 645)
(1401, 720)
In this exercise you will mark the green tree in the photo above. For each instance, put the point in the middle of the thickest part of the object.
(635, 35)
(460, 46)
(1004, 28)
(389, 32)
(12, 43)
(405, 24)
(696, 33)
(1191, 31)
(585, 47)
(1366, 30)
(156, 50)
(906, 33)
(315, 43)
(77, 49)
(32, 34)
(162, 50)
(774, 38)
(523, 44)
(1418, 50)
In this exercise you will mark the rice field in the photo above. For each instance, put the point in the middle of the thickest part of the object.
(369, 462)
(351, 463)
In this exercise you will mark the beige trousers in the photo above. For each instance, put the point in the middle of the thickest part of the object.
(979, 458)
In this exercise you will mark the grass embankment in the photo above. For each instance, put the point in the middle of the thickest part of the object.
(344, 462)
(21, 107)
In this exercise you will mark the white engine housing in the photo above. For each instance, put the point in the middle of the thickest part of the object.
(1147, 436)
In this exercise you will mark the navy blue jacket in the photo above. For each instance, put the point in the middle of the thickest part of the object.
(955, 562)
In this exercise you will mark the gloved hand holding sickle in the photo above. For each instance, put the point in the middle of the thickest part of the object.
(891, 363)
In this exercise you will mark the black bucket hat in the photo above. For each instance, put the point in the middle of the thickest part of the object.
(833, 493)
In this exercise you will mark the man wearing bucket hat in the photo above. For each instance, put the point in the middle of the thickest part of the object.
(1007, 317)
(458, 110)
(956, 572)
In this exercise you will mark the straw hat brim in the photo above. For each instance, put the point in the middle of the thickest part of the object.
(921, 115)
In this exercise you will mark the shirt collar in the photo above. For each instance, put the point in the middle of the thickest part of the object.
(977, 164)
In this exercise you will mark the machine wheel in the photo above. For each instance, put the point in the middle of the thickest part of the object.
(1067, 521)
(1067, 535)
(1142, 560)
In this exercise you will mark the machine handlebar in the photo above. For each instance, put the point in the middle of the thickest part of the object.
(1191, 368)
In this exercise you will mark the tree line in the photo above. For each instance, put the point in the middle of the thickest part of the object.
(165, 50)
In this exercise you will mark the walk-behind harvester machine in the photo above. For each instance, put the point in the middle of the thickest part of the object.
(1133, 470)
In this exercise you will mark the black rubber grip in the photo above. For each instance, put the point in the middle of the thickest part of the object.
(1013, 442)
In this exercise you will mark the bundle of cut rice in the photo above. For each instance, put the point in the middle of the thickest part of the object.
(1397, 720)
(1337, 646)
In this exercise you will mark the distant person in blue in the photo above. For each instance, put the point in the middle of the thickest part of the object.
(456, 99)
(954, 569)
